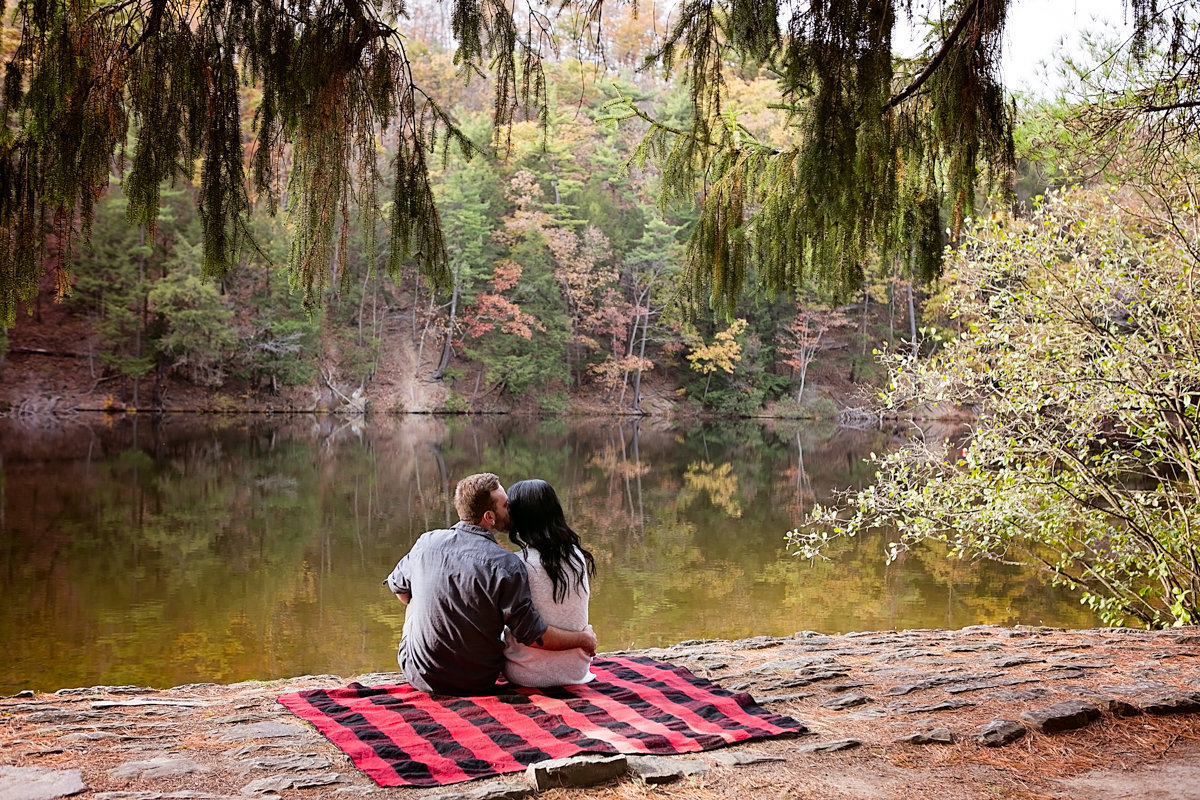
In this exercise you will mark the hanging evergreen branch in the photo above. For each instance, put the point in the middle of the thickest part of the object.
(881, 148)
(966, 16)
(151, 88)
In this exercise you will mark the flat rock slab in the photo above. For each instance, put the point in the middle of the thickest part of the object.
(1169, 703)
(578, 771)
(935, 736)
(1000, 732)
(755, 643)
(1016, 661)
(86, 690)
(292, 762)
(660, 769)
(278, 783)
(1136, 687)
(498, 791)
(243, 733)
(831, 747)
(35, 783)
(149, 701)
(731, 758)
(263, 730)
(782, 698)
(1020, 695)
(1119, 707)
(842, 702)
(157, 768)
(91, 736)
(1065, 716)
(234, 719)
(945, 705)
(182, 795)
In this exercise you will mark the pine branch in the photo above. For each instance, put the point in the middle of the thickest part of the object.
(1171, 106)
(937, 60)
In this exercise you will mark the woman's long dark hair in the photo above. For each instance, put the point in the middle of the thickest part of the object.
(538, 522)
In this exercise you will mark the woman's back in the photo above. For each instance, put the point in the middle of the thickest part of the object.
(533, 666)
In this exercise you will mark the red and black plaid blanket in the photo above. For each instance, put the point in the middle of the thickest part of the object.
(404, 737)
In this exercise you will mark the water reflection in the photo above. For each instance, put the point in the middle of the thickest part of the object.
(162, 552)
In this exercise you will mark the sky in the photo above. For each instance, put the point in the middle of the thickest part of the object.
(1035, 28)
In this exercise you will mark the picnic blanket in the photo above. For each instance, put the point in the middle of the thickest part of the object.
(401, 736)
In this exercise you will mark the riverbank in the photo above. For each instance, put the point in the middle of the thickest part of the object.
(893, 714)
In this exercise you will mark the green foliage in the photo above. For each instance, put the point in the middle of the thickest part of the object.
(199, 335)
(151, 305)
(122, 265)
(862, 168)
(1131, 106)
(328, 77)
(456, 403)
(553, 403)
(1076, 343)
(227, 95)
(278, 341)
(518, 327)
(281, 351)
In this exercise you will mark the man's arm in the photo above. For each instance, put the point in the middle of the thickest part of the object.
(559, 639)
(397, 581)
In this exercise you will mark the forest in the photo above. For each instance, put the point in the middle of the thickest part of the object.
(740, 209)
(569, 275)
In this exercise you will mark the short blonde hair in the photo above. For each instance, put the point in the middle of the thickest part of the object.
(473, 496)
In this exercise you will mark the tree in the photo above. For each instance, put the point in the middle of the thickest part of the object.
(649, 265)
(467, 223)
(802, 340)
(1134, 106)
(123, 264)
(515, 325)
(723, 354)
(1077, 345)
(198, 336)
(155, 85)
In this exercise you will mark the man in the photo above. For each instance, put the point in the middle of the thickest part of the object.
(462, 588)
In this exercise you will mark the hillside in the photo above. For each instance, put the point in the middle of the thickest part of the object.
(53, 364)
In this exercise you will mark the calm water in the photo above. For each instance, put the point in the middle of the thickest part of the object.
(206, 549)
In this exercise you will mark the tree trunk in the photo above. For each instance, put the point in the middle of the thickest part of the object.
(912, 320)
(637, 462)
(448, 346)
(137, 347)
(866, 306)
(892, 301)
(637, 377)
(362, 304)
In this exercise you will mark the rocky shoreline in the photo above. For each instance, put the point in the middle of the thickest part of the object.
(979, 712)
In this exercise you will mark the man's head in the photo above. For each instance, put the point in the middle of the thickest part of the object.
(481, 500)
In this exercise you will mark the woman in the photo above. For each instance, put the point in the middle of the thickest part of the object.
(559, 568)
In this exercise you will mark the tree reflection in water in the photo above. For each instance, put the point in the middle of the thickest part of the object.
(177, 550)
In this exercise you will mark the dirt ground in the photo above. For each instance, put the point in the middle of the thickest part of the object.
(910, 682)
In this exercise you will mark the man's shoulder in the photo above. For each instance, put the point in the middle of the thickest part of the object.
(436, 533)
(431, 538)
(470, 545)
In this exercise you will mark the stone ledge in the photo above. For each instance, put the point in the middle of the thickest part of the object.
(868, 696)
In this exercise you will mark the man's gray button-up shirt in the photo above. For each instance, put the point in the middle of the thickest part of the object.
(465, 589)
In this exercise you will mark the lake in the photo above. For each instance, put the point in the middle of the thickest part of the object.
(164, 551)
